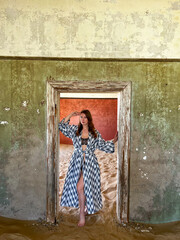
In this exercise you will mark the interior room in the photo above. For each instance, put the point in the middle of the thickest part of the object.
(51, 47)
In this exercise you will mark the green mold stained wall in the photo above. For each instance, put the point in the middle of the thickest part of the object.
(155, 154)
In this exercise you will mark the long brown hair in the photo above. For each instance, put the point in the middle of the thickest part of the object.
(91, 127)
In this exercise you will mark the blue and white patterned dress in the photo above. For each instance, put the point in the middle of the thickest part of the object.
(90, 169)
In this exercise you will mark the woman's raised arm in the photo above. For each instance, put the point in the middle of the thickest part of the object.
(65, 128)
(71, 115)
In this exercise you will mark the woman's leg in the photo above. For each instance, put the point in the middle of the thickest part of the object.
(80, 190)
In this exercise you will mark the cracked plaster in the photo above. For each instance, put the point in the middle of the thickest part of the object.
(115, 29)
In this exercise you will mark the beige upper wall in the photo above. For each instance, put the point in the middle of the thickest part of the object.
(90, 28)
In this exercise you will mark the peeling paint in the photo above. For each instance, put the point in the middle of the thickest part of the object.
(25, 103)
(7, 108)
(125, 30)
(175, 5)
(3, 122)
(151, 197)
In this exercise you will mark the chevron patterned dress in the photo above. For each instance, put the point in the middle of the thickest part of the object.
(90, 169)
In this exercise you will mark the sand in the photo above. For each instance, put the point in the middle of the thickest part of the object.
(100, 226)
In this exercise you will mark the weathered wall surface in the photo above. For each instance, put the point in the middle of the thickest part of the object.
(90, 28)
(94, 29)
(155, 153)
(104, 113)
(22, 145)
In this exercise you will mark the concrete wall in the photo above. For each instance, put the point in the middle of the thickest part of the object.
(90, 28)
(103, 111)
(94, 29)
(154, 163)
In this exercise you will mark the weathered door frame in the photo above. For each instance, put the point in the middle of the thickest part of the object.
(123, 89)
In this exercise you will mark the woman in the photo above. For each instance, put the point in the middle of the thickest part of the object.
(82, 185)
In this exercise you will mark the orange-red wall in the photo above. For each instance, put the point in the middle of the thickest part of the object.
(104, 114)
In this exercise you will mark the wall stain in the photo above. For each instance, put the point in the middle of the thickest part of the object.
(154, 133)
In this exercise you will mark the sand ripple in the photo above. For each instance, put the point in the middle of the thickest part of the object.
(13, 236)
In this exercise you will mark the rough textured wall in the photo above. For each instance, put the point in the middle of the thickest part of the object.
(103, 111)
(90, 28)
(155, 153)
(22, 141)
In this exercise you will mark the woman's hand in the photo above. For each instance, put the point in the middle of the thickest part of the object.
(73, 114)
(115, 138)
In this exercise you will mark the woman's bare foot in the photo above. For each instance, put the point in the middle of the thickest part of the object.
(81, 222)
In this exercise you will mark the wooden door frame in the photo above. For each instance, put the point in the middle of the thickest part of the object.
(54, 87)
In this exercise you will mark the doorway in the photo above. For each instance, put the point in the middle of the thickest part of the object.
(123, 90)
(103, 108)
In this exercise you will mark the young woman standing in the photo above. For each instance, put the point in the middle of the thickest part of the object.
(82, 187)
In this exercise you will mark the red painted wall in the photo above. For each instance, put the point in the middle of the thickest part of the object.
(104, 114)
